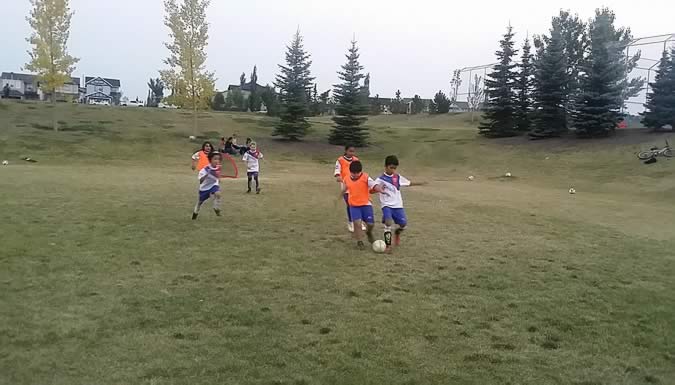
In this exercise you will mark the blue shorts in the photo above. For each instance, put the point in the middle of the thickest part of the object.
(205, 195)
(252, 174)
(362, 213)
(396, 215)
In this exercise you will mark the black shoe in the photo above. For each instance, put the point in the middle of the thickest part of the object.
(257, 191)
(194, 216)
(248, 191)
(217, 211)
(360, 245)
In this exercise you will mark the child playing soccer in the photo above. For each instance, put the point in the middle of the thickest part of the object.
(342, 172)
(209, 184)
(391, 200)
(358, 186)
(252, 158)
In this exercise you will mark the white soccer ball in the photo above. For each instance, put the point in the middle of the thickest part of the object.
(508, 175)
(5, 162)
(192, 137)
(379, 246)
(572, 190)
(471, 177)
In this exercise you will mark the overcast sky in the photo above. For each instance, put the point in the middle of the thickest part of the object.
(408, 45)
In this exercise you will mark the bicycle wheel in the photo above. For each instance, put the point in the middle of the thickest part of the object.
(644, 155)
(668, 153)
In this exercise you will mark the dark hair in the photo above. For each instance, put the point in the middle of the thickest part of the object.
(209, 143)
(249, 140)
(355, 166)
(391, 160)
(213, 154)
(348, 146)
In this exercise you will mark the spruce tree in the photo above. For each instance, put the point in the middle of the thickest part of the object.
(661, 101)
(549, 118)
(524, 89)
(499, 118)
(604, 81)
(350, 109)
(294, 82)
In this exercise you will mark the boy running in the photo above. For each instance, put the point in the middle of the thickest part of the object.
(357, 186)
(341, 173)
(391, 200)
(252, 159)
(209, 184)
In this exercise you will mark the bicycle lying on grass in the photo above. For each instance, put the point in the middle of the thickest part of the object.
(655, 152)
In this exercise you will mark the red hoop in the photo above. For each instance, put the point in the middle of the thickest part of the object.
(232, 166)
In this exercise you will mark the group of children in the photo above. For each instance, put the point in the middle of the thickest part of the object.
(356, 189)
(209, 163)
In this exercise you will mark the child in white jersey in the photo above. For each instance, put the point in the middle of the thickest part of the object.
(392, 201)
(252, 159)
(209, 184)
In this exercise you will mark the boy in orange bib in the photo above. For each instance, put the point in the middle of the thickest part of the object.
(358, 186)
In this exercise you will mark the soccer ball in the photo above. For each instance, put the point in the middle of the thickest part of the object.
(192, 137)
(471, 177)
(508, 175)
(379, 246)
(5, 163)
(572, 190)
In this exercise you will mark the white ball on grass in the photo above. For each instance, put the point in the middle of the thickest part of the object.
(379, 246)
(192, 137)
(508, 175)
(572, 190)
(471, 177)
(5, 162)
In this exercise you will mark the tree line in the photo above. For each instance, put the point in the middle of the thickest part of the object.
(576, 78)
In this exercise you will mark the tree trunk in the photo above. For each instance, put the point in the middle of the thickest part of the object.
(194, 119)
(55, 123)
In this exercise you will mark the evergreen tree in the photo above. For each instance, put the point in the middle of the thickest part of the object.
(397, 104)
(417, 105)
(549, 118)
(441, 103)
(524, 89)
(294, 82)
(219, 102)
(254, 100)
(350, 109)
(661, 101)
(604, 84)
(242, 79)
(499, 117)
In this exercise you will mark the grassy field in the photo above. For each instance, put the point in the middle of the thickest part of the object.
(104, 279)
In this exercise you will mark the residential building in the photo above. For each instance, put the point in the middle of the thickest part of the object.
(98, 89)
(27, 87)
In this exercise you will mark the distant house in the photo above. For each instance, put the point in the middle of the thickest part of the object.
(245, 89)
(27, 87)
(98, 89)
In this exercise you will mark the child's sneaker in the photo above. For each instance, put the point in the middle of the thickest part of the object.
(257, 191)
(194, 216)
(360, 245)
(350, 227)
(248, 191)
(217, 211)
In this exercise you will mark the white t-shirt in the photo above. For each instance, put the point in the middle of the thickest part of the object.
(210, 180)
(252, 162)
(391, 184)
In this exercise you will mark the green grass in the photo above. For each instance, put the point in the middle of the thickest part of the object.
(104, 279)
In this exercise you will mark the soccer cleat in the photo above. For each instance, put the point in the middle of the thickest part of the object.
(360, 245)
(217, 211)
(194, 216)
(350, 227)
(248, 191)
